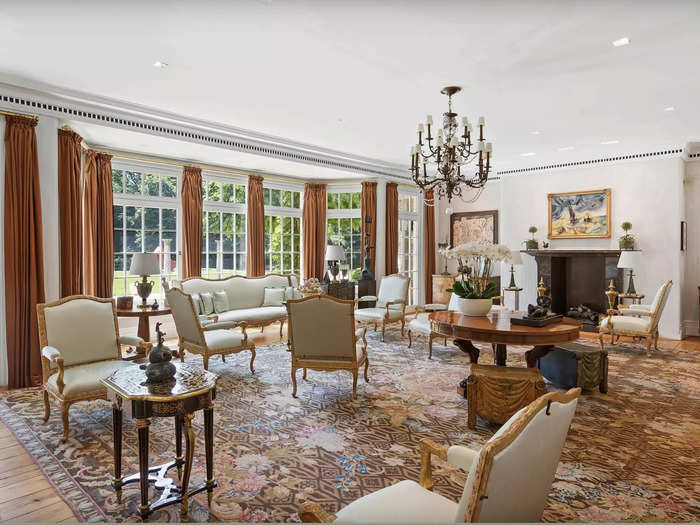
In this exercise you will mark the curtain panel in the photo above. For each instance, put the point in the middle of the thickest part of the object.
(24, 259)
(392, 228)
(70, 212)
(255, 263)
(429, 203)
(313, 223)
(369, 209)
(98, 236)
(191, 194)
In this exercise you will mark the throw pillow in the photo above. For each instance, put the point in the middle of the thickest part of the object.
(197, 300)
(292, 293)
(207, 303)
(274, 297)
(220, 302)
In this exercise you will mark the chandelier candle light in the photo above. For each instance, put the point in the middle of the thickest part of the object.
(451, 153)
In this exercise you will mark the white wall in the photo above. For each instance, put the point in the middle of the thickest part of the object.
(47, 152)
(648, 193)
(692, 254)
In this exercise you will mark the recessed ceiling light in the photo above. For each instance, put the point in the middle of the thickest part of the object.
(610, 142)
(670, 108)
(621, 42)
(535, 132)
(528, 154)
(160, 65)
(565, 148)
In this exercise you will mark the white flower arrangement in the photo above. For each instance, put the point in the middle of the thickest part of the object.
(476, 260)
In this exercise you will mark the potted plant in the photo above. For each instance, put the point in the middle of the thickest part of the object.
(472, 286)
(531, 244)
(627, 240)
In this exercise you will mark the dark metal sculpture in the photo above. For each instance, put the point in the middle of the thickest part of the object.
(159, 368)
(366, 274)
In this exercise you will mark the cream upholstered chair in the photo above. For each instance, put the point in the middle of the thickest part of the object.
(639, 321)
(80, 341)
(420, 324)
(322, 336)
(391, 303)
(509, 478)
(206, 337)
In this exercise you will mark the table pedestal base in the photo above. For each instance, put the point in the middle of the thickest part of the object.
(499, 351)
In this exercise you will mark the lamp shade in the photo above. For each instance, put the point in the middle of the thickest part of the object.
(628, 259)
(515, 258)
(144, 264)
(335, 253)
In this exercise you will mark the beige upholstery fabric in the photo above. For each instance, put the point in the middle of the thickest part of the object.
(85, 378)
(321, 327)
(421, 324)
(362, 314)
(197, 302)
(403, 502)
(242, 292)
(274, 297)
(82, 330)
(661, 302)
(461, 457)
(130, 340)
(186, 323)
(392, 288)
(220, 302)
(359, 355)
(207, 302)
(625, 322)
(220, 339)
(254, 315)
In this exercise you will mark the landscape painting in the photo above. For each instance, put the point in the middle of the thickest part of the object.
(579, 215)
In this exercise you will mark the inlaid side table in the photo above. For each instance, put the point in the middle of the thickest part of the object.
(192, 389)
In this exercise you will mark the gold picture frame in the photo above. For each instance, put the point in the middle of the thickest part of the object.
(579, 214)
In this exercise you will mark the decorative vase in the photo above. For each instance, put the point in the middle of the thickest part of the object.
(474, 307)
(627, 242)
(531, 244)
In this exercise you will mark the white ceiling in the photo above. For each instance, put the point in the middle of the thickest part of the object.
(357, 76)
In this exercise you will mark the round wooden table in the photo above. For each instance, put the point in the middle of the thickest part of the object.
(144, 331)
(499, 331)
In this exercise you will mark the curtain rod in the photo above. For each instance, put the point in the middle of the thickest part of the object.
(14, 114)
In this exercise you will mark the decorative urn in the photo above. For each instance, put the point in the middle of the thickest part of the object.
(159, 368)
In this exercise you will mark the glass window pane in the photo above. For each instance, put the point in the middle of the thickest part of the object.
(240, 263)
(212, 243)
(150, 219)
(151, 186)
(275, 225)
(345, 226)
(240, 243)
(227, 192)
(132, 182)
(287, 199)
(214, 192)
(345, 201)
(151, 241)
(356, 201)
(118, 263)
(227, 222)
(117, 183)
(275, 198)
(227, 245)
(297, 199)
(266, 196)
(118, 241)
(214, 222)
(133, 217)
(118, 216)
(287, 224)
(296, 243)
(287, 243)
(287, 262)
(297, 225)
(356, 225)
(169, 219)
(227, 263)
(276, 262)
(332, 201)
(168, 186)
(172, 237)
(240, 223)
(240, 194)
(133, 241)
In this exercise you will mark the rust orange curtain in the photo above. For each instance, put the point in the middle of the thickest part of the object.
(255, 264)
(70, 212)
(392, 228)
(191, 193)
(314, 230)
(98, 236)
(369, 209)
(429, 244)
(24, 259)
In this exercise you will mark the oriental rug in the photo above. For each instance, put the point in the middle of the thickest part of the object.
(631, 455)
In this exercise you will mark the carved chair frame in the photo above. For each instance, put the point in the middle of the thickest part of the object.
(386, 320)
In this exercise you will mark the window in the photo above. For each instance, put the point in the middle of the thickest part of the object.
(344, 226)
(282, 230)
(223, 227)
(408, 242)
(145, 220)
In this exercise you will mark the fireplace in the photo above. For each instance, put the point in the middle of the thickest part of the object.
(578, 278)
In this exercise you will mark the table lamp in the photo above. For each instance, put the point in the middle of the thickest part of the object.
(515, 260)
(144, 264)
(333, 255)
(628, 260)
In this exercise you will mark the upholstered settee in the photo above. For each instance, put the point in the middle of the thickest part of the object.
(244, 298)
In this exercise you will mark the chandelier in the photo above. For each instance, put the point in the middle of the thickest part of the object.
(460, 162)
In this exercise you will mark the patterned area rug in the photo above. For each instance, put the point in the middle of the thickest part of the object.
(631, 455)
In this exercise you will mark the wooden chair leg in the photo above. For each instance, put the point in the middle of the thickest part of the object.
(656, 340)
(445, 341)
(602, 343)
(223, 358)
(66, 422)
(650, 342)
(281, 327)
(252, 358)
(294, 382)
(409, 338)
(366, 369)
(430, 346)
(304, 375)
(206, 362)
(403, 324)
(182, 355)
(354, 384)
(382, 332)
(47, 406)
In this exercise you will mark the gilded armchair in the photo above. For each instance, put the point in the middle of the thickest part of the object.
(80, 345)
(323, 336)
(206, 336)
(391, 304)
(508, 480)
(639, 321)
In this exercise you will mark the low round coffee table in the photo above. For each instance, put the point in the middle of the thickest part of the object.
(499, 331)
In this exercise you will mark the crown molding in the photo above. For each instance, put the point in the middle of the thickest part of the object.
(43, 99)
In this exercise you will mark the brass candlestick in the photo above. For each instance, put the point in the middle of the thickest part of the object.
(612, 295)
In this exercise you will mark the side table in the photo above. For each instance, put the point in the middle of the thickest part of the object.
(144, 314)
(342, 290)
(192, 389)
(635, 298)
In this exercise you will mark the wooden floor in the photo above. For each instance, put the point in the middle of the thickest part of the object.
(26, 495)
